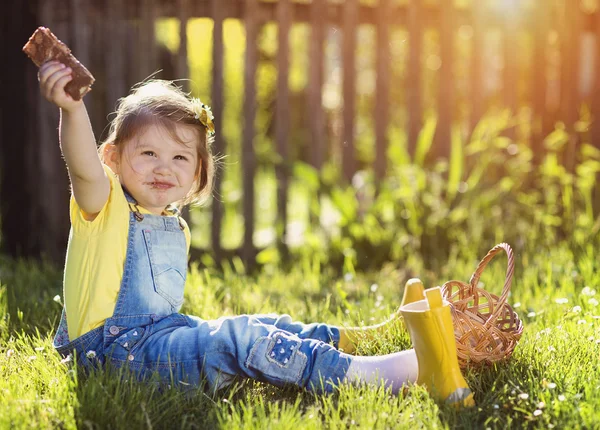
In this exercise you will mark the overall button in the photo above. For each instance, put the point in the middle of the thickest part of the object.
(130, 357)
(114, 330)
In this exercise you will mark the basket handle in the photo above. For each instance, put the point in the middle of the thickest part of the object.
(509, 273)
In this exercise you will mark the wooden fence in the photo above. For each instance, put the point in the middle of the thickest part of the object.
(116, 40)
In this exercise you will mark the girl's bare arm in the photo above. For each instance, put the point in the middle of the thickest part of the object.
(91, 186)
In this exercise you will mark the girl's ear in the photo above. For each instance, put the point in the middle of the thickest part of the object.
(112, 157)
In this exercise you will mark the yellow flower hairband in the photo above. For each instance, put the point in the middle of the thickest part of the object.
(204, 115)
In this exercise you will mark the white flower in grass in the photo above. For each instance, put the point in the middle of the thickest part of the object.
(537, 413)
(551, 348)
(576, 309)
(39, 348)
(517, 305)
(587, 291)
(561, 398)
(541, 405)
(10, 353)
(562, 300)
(593, 302)
(90, 354)
(581, 322)
(551, 385)
(531, 314)
(523, 396)
(374, 287)
(67, 359)
(56, 298)
(31, 358)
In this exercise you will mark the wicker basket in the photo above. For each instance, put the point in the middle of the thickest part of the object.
(486, 327)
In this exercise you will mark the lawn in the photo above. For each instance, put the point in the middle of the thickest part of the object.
(552, 379)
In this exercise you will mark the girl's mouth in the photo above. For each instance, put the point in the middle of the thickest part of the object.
(161, 185)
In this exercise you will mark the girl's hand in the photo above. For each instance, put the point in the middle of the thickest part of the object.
(53, 77)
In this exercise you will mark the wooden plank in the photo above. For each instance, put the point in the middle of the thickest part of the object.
(382, 89)
(315, 82)
(570, 49)
(81, 32)
(446, 81)
(115, 65)
(182, 70)
(595, 129)
(148, 60)
(478, 44)
(349, 31)
(248, 155)
(539, 82)
(414, 84)
(570, 60)
(399, 13)
(510, 77)
(282, 121)
(219, 145)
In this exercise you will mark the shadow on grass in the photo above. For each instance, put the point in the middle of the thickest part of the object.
(31, 287)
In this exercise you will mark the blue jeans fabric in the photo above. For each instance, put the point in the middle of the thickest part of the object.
(147, 334)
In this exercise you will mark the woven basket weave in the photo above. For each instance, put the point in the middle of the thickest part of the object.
(486, 327)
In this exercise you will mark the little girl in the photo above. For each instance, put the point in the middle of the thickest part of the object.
(126, 266)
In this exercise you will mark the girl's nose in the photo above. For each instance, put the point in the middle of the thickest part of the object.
(162, 167)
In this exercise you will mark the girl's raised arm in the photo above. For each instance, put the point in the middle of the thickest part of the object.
(91, 186)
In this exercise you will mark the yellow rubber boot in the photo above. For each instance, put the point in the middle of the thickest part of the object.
(413, 291)
(429, 324)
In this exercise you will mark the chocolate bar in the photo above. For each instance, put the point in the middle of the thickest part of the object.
(44, 46)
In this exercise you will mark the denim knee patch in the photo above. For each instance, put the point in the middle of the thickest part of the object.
(278, 357)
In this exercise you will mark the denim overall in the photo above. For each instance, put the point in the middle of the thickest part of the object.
(148, 334)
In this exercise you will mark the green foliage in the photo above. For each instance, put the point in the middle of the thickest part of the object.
(490, 191)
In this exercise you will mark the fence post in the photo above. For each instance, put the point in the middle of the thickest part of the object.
(414, 81)
(539, 80)
(382, 100)
(282, 121)
(318, 19)
(510, 84)
(248, 156)
(446, 81)
(478, 44)
(569, 82)
(350, 18)
(217, 107)
(115, 61)
(148, 57)
(595, 132)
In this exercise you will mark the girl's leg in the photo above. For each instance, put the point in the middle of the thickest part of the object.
(318, 331)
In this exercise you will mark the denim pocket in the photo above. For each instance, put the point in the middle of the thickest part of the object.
(167, 251)
(278, 357)
(131, 338)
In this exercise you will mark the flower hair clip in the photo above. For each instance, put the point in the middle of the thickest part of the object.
(204, 115)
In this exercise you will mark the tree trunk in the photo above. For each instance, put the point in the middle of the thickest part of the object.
(33, 181)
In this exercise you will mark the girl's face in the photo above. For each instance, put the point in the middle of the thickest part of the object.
(155, 168)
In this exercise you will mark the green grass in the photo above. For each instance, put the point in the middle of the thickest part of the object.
(551, 380)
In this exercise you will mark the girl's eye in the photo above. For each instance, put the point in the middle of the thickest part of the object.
(150, 153)
(181, 157)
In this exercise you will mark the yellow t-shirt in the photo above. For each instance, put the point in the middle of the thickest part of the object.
(95, 260)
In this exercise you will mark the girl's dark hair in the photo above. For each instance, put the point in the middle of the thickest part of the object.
(163, 103)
